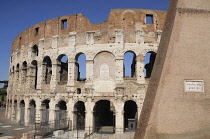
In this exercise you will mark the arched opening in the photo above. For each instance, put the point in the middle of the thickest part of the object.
(129, 64)
(104, 117)
(34, 71)
(81, 67)
(45, 112)
(79, 114)
(149, 63)
(35, 51)
(47, 69)
(32, 112)
(17, 71)
(15, 110)
(24, 71)
(63, 68)
(13, 71)
(22, 113)
(130, 115)
(61, 110)
(61, 115)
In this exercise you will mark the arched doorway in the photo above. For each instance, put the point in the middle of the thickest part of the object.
(130, 115)
(15, 110)
(22, 113)
(45, 112)
(61, 110)
(60, 115)
(32, 112)
(104, 117)
(79, 113)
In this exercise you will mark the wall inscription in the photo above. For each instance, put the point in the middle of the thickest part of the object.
(104, 71)
(194, 86)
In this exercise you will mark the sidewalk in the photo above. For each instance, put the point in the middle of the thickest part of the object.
(9, 128)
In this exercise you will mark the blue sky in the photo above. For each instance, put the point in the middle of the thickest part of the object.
(18, 15)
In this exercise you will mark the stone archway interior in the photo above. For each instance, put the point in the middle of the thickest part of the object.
(103, 115)
(130, 114)
(80, 115)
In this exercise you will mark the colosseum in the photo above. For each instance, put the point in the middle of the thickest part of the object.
(94, 75)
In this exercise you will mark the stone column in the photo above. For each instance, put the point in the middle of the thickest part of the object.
(89, 115)
(9, 110)
(55, 75)
(89, 71)
(12, 110)
(39, 75)
(27, 114)
(119, 69)
(70, 114)
(140, 69)
(52, 110)
(119, 115)
(28, 78)
(71, 76)
(18, 111)
(159, 33)
(38, 111)
(139, 36)
(90, 38)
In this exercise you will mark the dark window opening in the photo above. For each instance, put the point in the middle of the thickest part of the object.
(22, 113)
(63, 68)
(64, 24)
(149, 63)
(47, 69)
(129, 64)
(37, 31)
(17, 71)
(35, 50)
(81, 67)
(24, 72)
(34, 71)
(79, 115)
(79, 91)
(149, 19)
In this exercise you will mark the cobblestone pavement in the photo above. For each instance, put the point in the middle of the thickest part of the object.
(9, 128)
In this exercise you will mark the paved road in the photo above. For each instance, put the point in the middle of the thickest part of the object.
(9, 128)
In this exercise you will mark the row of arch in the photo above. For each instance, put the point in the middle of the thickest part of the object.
(80, 64)
(103, 113)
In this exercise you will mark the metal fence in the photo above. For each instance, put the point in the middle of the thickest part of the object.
(64, 131)
(47, 128)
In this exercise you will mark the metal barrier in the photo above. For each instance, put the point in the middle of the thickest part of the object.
(103, 132)
(47, 128)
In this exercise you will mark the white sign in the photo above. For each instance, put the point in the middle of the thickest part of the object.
(194, 86)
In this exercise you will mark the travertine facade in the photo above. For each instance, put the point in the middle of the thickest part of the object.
(43, 87)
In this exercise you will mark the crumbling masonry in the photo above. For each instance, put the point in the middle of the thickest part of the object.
(48, 81)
